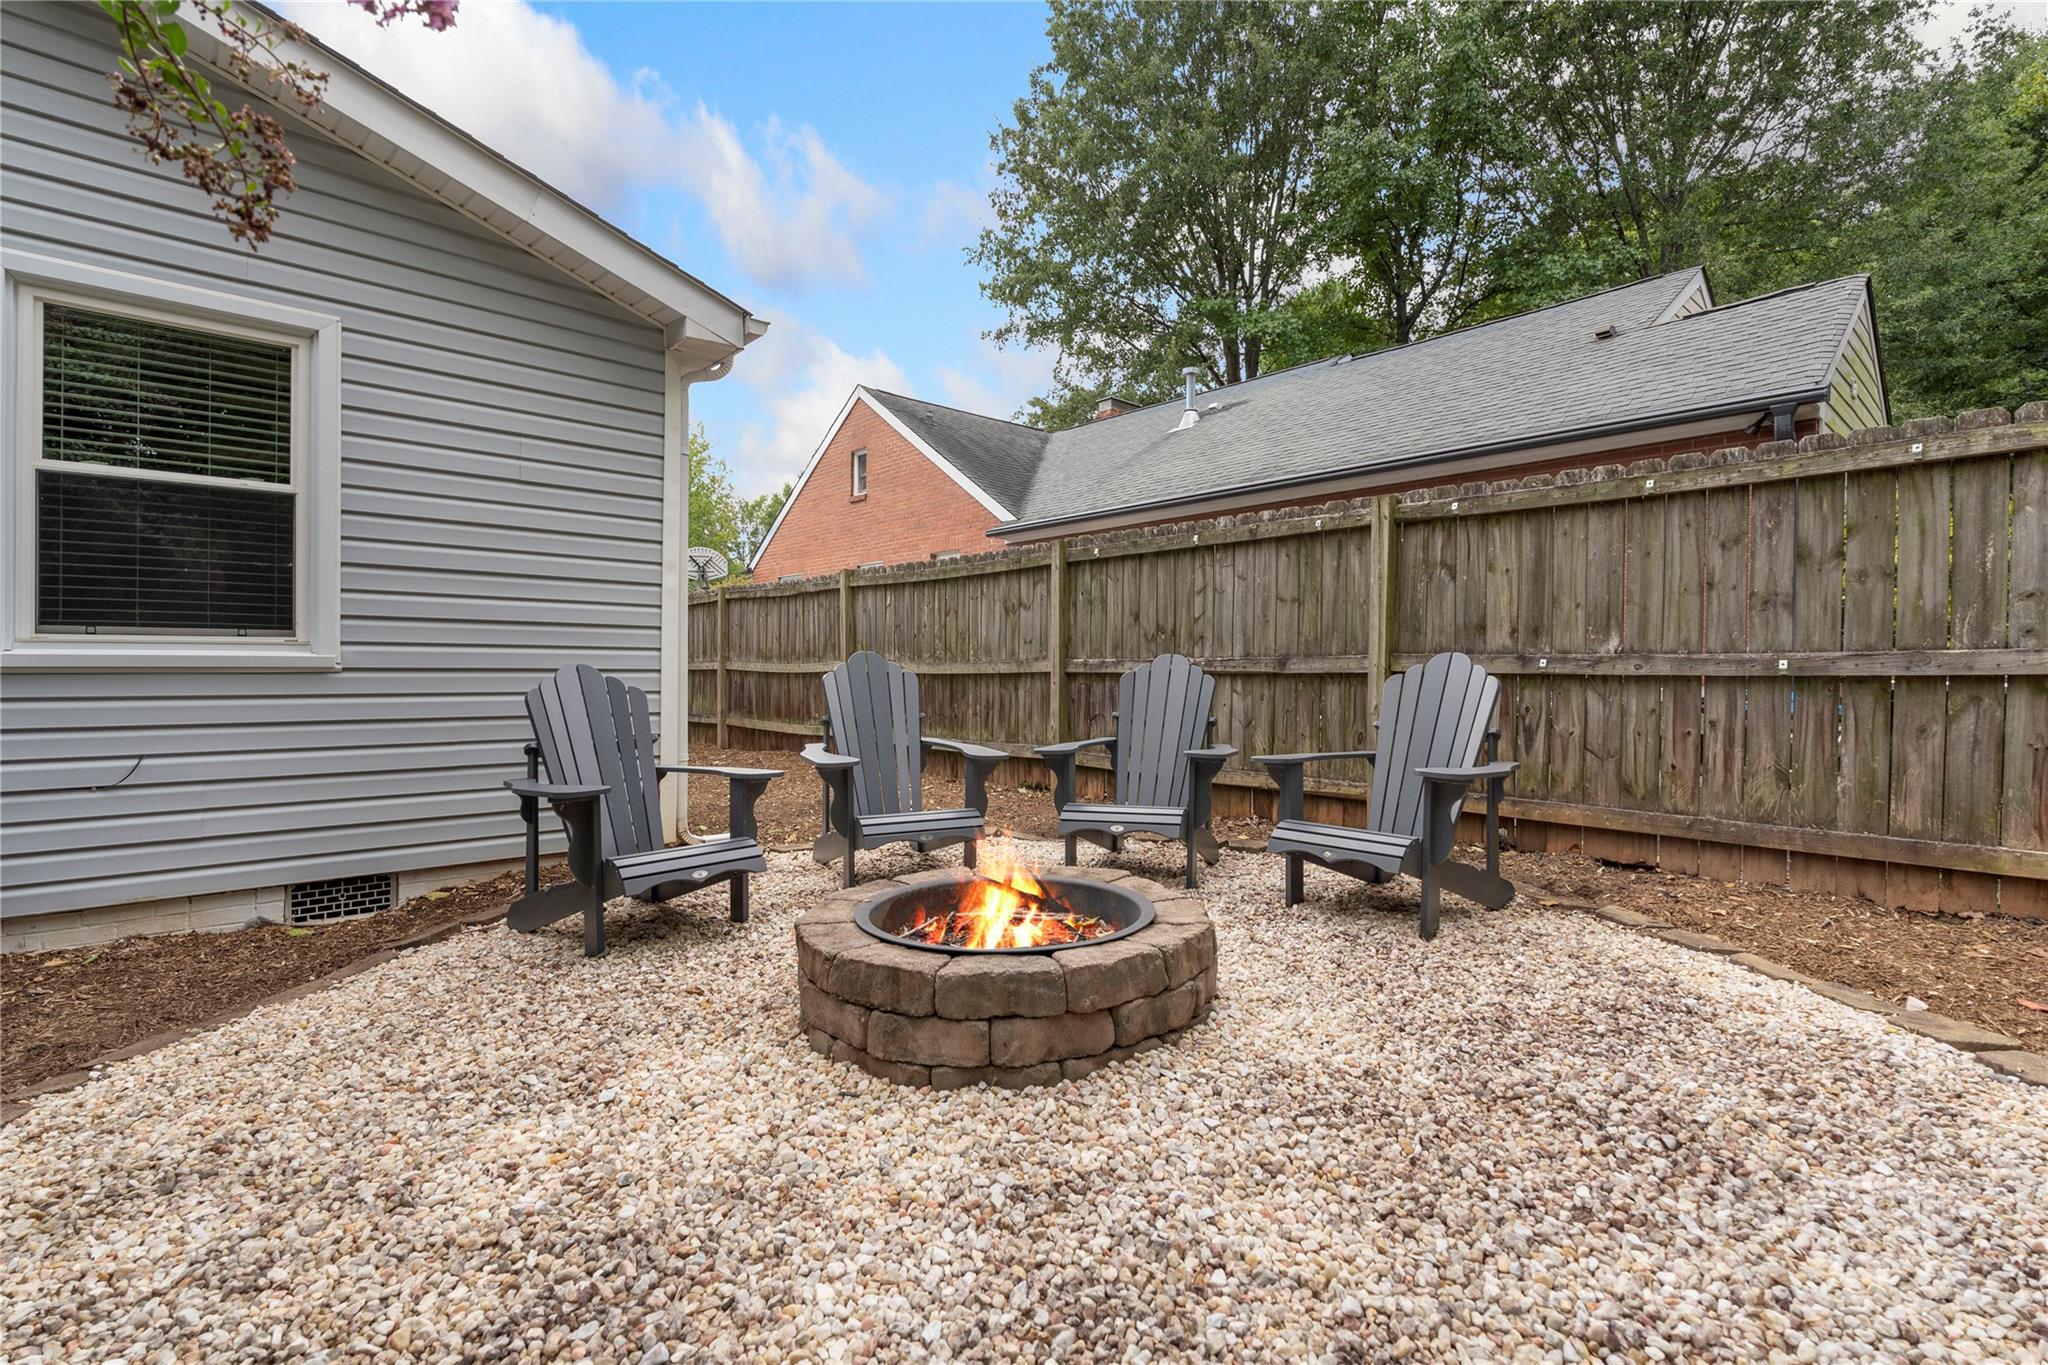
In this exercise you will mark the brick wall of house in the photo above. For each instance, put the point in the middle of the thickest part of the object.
(912, 510)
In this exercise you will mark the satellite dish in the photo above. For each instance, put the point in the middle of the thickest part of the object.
(707, 566)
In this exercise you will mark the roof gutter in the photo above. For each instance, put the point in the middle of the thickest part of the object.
(1445, 454)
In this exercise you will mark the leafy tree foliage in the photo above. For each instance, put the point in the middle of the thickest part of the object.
(1418, 189)
(1245, 188)
(1668, 134)
(722, 520)
(1957, 246)
(1150, 211)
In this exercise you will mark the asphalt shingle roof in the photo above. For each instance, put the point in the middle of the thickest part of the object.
(1525, 380)
(999, 456)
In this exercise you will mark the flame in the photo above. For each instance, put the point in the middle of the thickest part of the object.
(1005, 906)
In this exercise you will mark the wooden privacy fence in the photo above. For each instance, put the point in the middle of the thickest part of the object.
(1823, 665)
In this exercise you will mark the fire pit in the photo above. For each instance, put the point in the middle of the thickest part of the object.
(1012, 976)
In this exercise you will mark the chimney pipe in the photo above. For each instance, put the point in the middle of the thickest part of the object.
(1187, 374)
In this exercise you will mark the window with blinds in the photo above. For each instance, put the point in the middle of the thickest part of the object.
(166, 500)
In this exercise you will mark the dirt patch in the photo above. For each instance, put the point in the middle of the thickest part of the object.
(1976, 968)
(64, 1008)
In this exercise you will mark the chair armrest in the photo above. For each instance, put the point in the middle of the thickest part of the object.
(825, 761)
(1074, 746)
(1485, 772)
(1214, 754)
(979, 753)
(553, 791)
(1295, 760)
(749, 775)
(1061, 757)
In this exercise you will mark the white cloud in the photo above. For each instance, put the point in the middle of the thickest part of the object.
(799, 379)
(997, 381)
(788, 212)
(954, 215)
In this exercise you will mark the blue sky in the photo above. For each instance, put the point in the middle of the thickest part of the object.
(824, 164)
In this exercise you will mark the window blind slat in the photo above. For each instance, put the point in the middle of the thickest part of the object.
(149, 395)
(121, 555)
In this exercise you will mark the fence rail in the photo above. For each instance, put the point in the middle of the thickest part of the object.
(1823, 665)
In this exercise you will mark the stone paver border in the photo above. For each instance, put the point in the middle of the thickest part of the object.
(1995, 1050)
(947, 1021)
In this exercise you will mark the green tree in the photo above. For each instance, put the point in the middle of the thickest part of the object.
(1669, 134)
(721, 519)
(1957, 247)
(756, 515)
(1419, 188)
(1149, 210)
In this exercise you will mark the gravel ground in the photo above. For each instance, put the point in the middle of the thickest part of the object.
(1538, 1137)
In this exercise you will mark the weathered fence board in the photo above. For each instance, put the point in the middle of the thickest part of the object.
(1827, 668)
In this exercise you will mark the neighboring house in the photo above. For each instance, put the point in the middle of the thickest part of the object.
(291, 531)
(898, 479)
(1652, 368)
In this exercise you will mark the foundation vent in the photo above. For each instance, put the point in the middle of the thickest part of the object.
(339, 898)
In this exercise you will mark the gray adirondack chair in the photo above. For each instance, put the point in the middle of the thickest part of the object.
(593, 734)
(872, 765)
(1165, 759)
(1434, 721)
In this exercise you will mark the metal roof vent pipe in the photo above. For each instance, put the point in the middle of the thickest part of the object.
(1190, 416)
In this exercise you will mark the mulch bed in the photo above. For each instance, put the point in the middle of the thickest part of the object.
(64, 1008)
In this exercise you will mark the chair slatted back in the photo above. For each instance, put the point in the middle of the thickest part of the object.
(872, 706)
(1162, 711)
(593, 729)
(1435, 715)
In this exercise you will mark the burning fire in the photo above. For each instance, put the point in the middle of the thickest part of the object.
(1005, 906)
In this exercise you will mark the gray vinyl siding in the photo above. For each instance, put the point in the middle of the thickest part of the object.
(500, 516)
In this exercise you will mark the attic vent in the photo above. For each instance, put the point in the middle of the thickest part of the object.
(1603, 331)
(339, 898)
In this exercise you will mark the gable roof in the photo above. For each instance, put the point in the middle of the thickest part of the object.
(999, 457)
(928, 420)
(1538, 378)
(397, 132)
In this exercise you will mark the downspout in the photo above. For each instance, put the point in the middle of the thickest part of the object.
(679, 372)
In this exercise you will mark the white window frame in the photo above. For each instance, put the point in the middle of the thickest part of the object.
(315, 341)
(860, 472)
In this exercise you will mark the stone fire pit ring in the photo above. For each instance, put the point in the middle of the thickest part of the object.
(919, 1017)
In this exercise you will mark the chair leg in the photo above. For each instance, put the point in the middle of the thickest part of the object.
(1194, 881)
(593, 923)
(967, 852)
(1430, 894)
(846, 866)
(1073, 851)
(737, 898)
(1295, 894)
(1116, 843)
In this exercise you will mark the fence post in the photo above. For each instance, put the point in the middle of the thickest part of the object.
(1056, 636)
(846, 613)
(1380, 643)
(724, 629)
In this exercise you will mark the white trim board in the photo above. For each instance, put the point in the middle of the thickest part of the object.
(875, 405)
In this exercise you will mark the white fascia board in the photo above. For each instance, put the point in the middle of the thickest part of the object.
(359, 110)
(974, 490)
